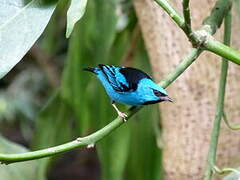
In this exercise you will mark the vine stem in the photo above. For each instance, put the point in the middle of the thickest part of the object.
(232, 127)
(203, 37)
(226, 170)
(211, 159)
(98, 135)
(190, 58)
(187, 17)
(177, 18)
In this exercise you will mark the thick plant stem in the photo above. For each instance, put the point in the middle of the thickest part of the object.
(97, 136)
(211, 160)
(222, 50)
(219, 11)
(210, 24)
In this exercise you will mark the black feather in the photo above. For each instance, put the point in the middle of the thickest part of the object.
(151, 102)
(101, 67)
(111, 72)
(90, 69)
(125, 88)
(158, 93)
(133, 76)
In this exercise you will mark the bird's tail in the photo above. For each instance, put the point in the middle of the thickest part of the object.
(93, 70)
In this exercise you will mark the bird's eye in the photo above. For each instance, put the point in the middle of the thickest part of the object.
(158, 93)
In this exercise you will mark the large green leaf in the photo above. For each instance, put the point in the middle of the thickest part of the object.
(20, 27)
(74, 14)
(17, 171)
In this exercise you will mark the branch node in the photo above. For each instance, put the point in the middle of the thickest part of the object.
(4, 162)
(79, 139)
(199, 38)
(90, 146)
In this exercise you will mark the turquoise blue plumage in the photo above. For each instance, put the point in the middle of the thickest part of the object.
(129, 86)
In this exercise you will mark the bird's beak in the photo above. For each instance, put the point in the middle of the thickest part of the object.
(166, 98)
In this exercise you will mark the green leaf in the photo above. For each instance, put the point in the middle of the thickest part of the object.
(17, 171)
(20, 27)
(74, 14)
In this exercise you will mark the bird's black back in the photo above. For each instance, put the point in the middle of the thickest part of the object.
(133, 76)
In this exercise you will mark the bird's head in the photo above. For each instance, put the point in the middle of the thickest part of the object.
(152, 92)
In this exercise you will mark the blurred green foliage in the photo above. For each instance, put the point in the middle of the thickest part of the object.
(107, 34)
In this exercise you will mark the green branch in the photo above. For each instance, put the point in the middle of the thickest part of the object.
(189, 59)
(215, 19)
(187, 17)
(225, 170)
(232, 127)
(211, 160)
(95, 137)
(222, 50)
(203, 37)
(178, 19)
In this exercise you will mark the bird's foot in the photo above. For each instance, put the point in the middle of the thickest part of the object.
(123, 115)
(120, 114)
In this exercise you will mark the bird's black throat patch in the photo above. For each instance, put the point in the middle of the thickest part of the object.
(151, 102)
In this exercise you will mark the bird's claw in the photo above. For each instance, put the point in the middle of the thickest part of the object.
(123, 115)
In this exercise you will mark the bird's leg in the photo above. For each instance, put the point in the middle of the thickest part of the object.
(120, 114)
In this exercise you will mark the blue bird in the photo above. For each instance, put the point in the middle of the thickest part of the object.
(129, 86)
